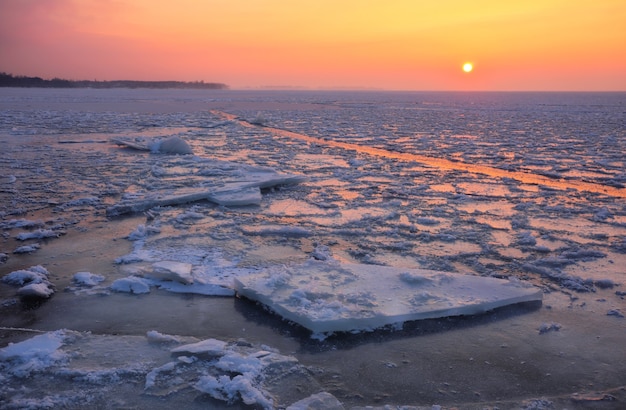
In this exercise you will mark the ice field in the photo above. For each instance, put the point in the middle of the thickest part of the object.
(293, 249)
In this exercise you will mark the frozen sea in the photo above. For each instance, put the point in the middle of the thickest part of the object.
(529, 187)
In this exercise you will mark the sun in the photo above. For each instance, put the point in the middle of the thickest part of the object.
(468, 67)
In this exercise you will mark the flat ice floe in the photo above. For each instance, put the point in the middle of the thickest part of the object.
(328, 297)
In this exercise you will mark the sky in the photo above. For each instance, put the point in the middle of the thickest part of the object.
(528, 45)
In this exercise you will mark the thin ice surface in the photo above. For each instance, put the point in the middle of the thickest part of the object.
(327, 297)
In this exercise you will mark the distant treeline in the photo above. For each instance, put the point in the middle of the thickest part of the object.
(9, 80)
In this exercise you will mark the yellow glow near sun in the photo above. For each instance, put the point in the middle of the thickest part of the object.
(467, 67)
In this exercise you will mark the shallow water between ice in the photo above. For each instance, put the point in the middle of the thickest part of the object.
(564, 231)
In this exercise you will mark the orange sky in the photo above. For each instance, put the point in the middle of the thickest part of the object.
(389, 44)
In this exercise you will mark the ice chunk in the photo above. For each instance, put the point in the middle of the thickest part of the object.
(605, 283)
(34, 274)
(327, 297)
(20, 223)
(87, 278)
(35, 354)
(140, 233)
(137, 144)
(170, 145)
(229, 390)
(154, 336)
(173, 145)
(152, 375)
(131, 284)
(207, 289)
(33, 281)
(27, 248)
(282, 231)
(549, 327)
(231, 196)
(238, 187)
(80, 202)
(208, 347)
(323, 400)
(38, 234)
(39, 290)
(172, 270)
(322, 253)
(526, 239)
(252, 368)
(237, 197)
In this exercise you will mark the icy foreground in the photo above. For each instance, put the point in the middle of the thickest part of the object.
(522, 186)
(327, 297)
(158, 365)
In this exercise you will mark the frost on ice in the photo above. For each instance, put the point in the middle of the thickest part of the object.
(326, 297)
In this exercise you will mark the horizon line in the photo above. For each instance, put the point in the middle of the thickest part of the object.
(276, 87)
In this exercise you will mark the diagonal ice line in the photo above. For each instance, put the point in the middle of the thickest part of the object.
(443, 164)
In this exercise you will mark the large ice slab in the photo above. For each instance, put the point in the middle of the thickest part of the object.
(328, 297)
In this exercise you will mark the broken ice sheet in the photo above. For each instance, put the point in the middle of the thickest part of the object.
(201, 270)
(326, 297)
(85, 374)
(219, 182)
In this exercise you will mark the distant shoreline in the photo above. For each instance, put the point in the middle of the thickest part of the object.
(9, 80)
